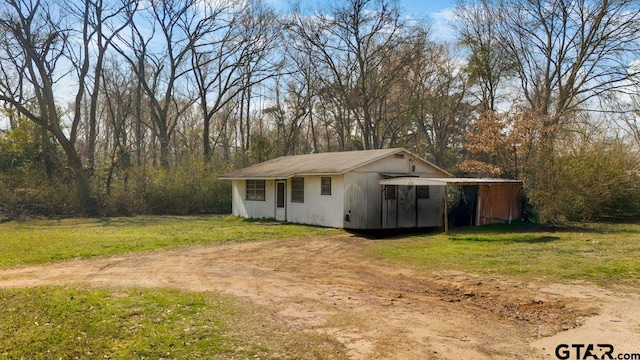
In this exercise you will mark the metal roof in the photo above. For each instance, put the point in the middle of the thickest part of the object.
(446, 181)
(331, 163)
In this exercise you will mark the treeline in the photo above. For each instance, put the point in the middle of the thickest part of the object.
(128, 106)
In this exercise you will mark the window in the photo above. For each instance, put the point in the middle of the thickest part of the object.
(325, 186)
(297, 189)
(390, 192)
(422, 192)
(255, 190)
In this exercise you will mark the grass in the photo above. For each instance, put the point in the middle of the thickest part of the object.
(82, 323)
(605, 254)
(43, 241)
(75, 322)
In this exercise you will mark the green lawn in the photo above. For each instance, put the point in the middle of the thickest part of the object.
(81, 323)
(605, 254)
(76, 322)
(56, 322)
(43, 241)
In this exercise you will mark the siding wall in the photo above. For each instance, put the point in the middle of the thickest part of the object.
(362, 200)
(249, 208)
(317, 209)
(391, 164)
(431, 210)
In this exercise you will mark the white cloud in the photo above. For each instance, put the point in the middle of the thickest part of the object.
(442, 25)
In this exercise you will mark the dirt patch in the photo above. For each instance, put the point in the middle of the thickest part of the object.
(323, 286)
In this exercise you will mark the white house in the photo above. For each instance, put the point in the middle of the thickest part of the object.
(342, 190)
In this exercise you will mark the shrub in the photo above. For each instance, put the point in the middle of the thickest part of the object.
(591, 181)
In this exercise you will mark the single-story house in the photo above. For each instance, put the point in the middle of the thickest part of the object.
(367, 189)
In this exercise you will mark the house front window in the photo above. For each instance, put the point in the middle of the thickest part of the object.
(255, 190)
(325, 186)
(297, 189)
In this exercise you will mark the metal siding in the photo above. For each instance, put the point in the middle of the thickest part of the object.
(406, 206)
(362, 200)
(431, 210)
(389, 209)
(391, 164)
(498, 203)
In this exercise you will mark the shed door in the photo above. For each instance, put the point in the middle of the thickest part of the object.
(281, 201)
(391, 207)
(406, 206)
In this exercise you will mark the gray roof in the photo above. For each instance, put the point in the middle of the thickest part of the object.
(314, 164)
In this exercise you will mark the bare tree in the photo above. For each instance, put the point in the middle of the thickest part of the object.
(488, 68)
(237, 52)
(569, 53)
(159, 50)
(99, 24)
(441, 111)
(351, 48)
(32, 57)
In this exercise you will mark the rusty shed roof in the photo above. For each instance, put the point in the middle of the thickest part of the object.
(314, 164)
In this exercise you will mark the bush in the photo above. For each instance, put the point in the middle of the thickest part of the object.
(27, 193)
(190, 188)
(592, 181)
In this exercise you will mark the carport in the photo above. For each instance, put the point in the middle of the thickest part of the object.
(493, 200)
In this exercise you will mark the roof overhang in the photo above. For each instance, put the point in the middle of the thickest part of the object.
(289, 176)
(418, 181)
(249, 178)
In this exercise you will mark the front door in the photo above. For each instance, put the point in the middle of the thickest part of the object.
(281, 200)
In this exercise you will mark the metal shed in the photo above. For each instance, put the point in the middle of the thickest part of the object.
(493, 200)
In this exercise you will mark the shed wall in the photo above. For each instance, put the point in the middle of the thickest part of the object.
(391, 164)
(498, 203)
(362, 200)
(400, 213)
(431, 210)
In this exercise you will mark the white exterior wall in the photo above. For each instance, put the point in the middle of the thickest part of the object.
(317, 209)
(250, 208)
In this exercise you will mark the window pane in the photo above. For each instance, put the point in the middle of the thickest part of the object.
(325, 186)
(255, 190)
(280, 195)
(422, 192)
(297, 190)
(390, 192)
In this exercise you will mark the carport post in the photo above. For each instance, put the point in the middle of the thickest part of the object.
(446, 210)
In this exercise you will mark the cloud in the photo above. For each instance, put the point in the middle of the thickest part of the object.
(442, 25)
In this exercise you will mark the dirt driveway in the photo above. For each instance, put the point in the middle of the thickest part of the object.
(324, 285)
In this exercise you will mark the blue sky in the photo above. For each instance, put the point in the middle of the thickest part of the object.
(436, 12)
(425, 7)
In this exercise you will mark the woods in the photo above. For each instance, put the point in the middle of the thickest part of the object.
(128, 107)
